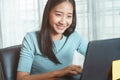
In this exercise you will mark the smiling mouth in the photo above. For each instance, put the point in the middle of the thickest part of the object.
(61, 27)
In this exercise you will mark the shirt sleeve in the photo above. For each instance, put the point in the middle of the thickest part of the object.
(82, 48)
(26, 54)
(82, 44)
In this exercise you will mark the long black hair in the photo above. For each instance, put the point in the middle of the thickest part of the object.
(44, 38)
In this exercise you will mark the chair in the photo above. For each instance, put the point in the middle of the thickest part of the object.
(98, 61)
(8, 62)
(9, 58)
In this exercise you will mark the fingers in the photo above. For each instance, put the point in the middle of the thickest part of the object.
(69, 71)
(73, 73)
(75, 69)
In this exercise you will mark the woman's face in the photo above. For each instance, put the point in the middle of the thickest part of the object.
(60, 17)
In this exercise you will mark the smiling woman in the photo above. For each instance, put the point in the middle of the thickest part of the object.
(50, 45)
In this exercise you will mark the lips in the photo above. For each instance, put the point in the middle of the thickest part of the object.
(61, 27)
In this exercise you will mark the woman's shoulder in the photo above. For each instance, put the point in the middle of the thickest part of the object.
(31, 34)
(75, 34)
(76, 37)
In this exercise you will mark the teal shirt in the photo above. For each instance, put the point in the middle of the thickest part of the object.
(31, 60)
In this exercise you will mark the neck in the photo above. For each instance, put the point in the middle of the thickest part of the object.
(56, 36)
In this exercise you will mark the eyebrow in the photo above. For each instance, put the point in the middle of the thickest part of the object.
(62, 12)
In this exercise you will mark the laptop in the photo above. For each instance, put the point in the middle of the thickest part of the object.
(98, 59)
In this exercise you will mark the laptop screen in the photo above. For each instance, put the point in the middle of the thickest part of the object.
(98, 59)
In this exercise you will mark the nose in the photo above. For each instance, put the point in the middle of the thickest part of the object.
(63, 21)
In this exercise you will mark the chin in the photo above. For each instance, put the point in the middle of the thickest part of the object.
(60, 32)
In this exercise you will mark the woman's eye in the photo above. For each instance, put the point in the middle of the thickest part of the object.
(69, 16)
(58, 14)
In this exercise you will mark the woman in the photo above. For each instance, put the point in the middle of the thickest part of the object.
(48, 53)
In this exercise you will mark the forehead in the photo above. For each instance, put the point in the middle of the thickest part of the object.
(64, 6)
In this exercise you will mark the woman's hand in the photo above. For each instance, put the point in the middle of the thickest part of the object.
(69, 71)
(53, 75)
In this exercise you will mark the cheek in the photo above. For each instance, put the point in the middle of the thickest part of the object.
(70, 22)
(53, 19)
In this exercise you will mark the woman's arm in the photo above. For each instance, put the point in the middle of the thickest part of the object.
(53, 75)
(27, 76)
